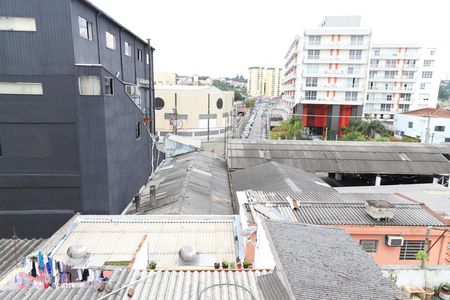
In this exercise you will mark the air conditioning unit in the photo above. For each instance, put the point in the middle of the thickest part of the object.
(132, 90)
(393, 241)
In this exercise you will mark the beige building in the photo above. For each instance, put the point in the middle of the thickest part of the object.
(272, 82)
(165, 78)
(264, 82)
(255, 84)
(191, 103)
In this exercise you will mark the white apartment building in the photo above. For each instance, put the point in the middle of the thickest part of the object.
(255, 84)
(429, 125)
(401, 79)
(333, 72)
(264, 82)
(325, 74)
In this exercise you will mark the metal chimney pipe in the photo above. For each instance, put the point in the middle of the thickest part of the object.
(152, 196)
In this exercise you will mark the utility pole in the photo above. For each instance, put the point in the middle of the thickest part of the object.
(175, 117)
(209, 104)
(427, 132)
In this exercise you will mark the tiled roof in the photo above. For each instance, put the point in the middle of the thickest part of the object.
(189, 184)
(338, 209)
(325, 263)
(275, 177)
(433, 112)
(342, 157)
(12, 251)
(173, 285)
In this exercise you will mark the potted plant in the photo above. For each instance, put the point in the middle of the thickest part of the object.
(232, 265)
(225, 264)
(239, 265)
(444, 291)
(152, 265)
(246, 264)
(216, 265)
(423, 257)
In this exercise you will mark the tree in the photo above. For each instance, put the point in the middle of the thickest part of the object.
(237, 96)
(370, 129)
(353, 136)
(443, 93)
(288, 130)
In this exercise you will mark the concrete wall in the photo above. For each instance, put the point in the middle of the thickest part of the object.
(431, 276)
(190, 105)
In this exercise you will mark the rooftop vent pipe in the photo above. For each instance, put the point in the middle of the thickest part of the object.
(380, 209)
(77, 251)
(187, 254)
(152, 196)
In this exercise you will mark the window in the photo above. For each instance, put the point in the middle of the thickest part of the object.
(376, 52)
(311, 81)
(389, 97)
(314, 39)
(389, 74)
(405, 97)
(159, 103)
(385, 107)
(85, 28)
(313, 54)
(138, 130)
(423, 86)
(17, 24)
(351, 96)
(354, 82)
(391, 63)
(20, 88)
(370, 246)
(427, 63)
(374, 63)
(410, 124)
(355, 54)
(109, 86)
(439, 128)
(139, 54)
(427, 74)
(219, 103)
(373, 74)
(311, 95)
(147, 58)
(356, 40)
(312, 68)
(408, 74)
(432, 52)
(89, 85)
(424, 97)
(110, 41)
(128, 49)
(404, 107)
(410, 248)
(353, 69)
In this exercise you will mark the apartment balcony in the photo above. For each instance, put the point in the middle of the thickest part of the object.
(392, 79)
(290, 76)
(333, 101)
(410, 67)
(397, 56)
(335, 87)
(336, 45)
(335, 60)
(334, 73)
(290, 65)
(385, 67)
(389, 90)
(288, 87)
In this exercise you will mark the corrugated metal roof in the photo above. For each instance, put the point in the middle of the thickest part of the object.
(275, 177)
(173, 285)
(325, 263)
(13, 250)
(342, 157)
(189, 184)
(341, 209)
(120, 238)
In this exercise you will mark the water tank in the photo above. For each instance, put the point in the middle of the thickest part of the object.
(77, 251)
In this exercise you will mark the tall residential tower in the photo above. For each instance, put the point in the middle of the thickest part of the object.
(264, 82)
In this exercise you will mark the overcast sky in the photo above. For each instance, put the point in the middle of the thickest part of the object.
(224, 38)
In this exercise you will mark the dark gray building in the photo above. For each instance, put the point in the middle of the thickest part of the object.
(75, 114)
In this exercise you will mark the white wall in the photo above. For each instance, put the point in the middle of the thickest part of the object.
(413, 275)
(419, 129)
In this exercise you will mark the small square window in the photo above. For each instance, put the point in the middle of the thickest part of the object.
(128, 49)
(110, 41)
(109, 86)
(410, 124)
(370, 246)
(139, 54)
(138, 130)
(439, 128)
